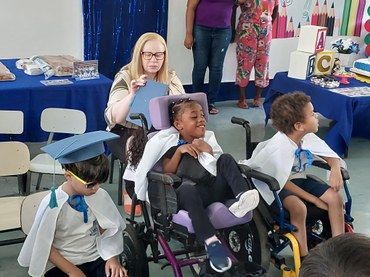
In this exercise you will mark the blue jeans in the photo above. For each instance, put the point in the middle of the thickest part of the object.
(209, 50)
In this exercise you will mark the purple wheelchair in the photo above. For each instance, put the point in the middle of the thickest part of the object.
(165, 226)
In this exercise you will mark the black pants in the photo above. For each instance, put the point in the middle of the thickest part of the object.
(90, 269)
(195, 198)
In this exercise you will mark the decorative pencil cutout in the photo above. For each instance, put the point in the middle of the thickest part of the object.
(282, 21)
(345, 17)
(275, 27)
(360, 14)
(290, 29)
(352, 18)
(298, 31)
(331, 20)
(315, 14)
(323, 15)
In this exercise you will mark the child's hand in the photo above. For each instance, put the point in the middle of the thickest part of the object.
(114, 269)
(335, 179)
(191, 149)
(320, 204)
(138, 83)
(202, 146)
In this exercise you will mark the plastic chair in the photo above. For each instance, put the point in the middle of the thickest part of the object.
(15, 161)
(55, 120)
(11, 122)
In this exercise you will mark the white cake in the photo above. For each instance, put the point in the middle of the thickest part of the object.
(362, 67)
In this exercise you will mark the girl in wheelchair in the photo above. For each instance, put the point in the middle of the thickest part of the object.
(221, 179)
(288, 154)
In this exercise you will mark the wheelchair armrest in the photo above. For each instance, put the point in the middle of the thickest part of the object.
(165, 178)
(251, 173)
(325, 165)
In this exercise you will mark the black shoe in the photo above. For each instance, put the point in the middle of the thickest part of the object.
(218, 258)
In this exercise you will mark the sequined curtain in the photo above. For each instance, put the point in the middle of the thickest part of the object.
(111, 28)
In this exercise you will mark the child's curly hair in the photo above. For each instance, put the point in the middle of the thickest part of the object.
(137, 145)
(287, 110)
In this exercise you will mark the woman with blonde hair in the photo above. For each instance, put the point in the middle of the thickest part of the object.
(149, 62)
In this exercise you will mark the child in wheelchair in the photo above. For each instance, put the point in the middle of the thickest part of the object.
(288, 154)
(221, 179)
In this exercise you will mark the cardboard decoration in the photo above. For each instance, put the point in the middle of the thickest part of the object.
(301, 65)
(312, 39)
(324, 63)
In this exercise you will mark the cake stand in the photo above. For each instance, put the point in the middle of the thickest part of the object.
(344, 77)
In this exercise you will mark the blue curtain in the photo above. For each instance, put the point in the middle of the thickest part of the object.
(111, 28)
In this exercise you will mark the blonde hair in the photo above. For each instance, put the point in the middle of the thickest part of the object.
(136, 66)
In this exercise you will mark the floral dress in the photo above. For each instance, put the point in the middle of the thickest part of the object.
(253, 39)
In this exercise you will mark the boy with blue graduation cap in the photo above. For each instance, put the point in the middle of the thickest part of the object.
(77, 229)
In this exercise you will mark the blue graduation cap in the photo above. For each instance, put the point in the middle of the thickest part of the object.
(76, 149)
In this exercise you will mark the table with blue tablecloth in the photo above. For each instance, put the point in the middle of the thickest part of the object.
(351, 114)
(29, 95)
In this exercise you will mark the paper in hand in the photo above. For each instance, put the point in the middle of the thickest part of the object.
(140, 102)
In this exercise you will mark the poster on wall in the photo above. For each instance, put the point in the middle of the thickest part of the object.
(342, 18)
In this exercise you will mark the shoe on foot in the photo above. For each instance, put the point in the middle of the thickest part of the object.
(218, 258)
(246, 202)
(212, 109)
(242, 104)
(127, 204)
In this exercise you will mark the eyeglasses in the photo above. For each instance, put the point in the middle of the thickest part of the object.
(149, 55)
(87, 184)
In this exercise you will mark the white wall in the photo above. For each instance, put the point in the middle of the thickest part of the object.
(35, 27)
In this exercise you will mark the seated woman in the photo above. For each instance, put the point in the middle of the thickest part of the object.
(188, 135)
(149, 62)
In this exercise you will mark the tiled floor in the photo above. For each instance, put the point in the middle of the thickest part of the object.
(231, 138)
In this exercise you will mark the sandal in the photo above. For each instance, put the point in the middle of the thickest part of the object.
(257, 101)
(212, 109)
(242, 104)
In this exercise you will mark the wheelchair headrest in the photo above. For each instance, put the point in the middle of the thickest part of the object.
(158, 108)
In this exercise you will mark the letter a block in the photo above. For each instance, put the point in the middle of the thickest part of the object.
(312, 39)
(301, 65)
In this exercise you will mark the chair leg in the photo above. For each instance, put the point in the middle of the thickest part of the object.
(38, 181)
(22, 184)
(120, 183)
(111, 171)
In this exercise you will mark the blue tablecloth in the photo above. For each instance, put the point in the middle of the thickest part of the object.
(27, 94)
(351, 114)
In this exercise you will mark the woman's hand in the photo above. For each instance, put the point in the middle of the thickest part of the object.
(114, 269)
(188, 42)
(138, 83)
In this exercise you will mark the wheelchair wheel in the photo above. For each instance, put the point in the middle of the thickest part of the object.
(248, 242)
(134, 255)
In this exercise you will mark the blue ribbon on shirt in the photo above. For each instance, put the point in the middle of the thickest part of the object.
(308, 156)
(181, 142)
(79, 204)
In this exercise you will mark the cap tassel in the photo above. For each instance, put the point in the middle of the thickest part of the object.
(53, 198)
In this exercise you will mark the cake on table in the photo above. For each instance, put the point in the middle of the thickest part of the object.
(362, 67)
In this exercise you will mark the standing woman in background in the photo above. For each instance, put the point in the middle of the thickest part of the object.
(253, 39)
(149, 62)
(208, 33)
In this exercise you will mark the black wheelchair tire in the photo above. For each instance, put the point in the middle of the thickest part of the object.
(134, 257)
(257, 251)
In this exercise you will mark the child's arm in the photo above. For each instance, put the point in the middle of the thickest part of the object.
(290, 186)
(113, 268)
(64, 265)
(335, 177)
(202, 146)
(170, 165)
